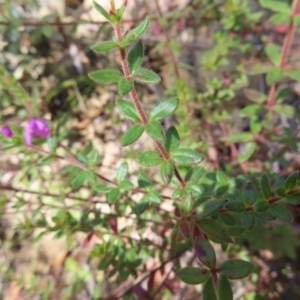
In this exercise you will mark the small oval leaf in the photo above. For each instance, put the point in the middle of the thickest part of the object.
(205, 252)
(155, 131)
(128, 110)
(145, 76)
(280, 211)
(106, 76)
(132, 135)
(164, 109)
(172, 139)
(149, 158)
(105, 46)
(209, 290)
(236, 268)
(184, 156)
(265, 187)
(192, 275)
(166, 171)
(224, 288)
(124, 86)
(248, 220)
(135, 56)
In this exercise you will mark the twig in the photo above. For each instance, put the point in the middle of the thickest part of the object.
(137, 103)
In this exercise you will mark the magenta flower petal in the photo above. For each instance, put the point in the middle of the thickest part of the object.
(36, 127)
(28, 134)
(5, 130)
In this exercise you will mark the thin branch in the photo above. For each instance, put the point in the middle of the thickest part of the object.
(138, 106)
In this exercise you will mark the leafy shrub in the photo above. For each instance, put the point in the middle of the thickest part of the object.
(229, 204)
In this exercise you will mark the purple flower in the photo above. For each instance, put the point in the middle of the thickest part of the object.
(5, 130)
(36, 127)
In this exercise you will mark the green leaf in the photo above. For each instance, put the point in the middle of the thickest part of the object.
(105, 46)
(172, 139)
(214, 230)
(126, 185)
(135, 33)
(228, 218)
(106, 76)
(83, 159)
(281, 192)
(143, 181)
(261, 206)
(194, 174)
(265, 187)
(145, 76)
(46, 160)
(143, 204)
(102, 11)
(112, 196)
(187, 205)
(94, 158)
(276, 5)
(192, 275)
(274, 76)
(291, 181)
(209, 290)
(52, 144)
(124, 86)
(164, 109)
(293, 74)
(195, 188)
(177, 193)
(255, 96)
(209, 208)
(128, 110)
(135, 56)
(155, 131)
(286, 110)
(132, 134)
(236, 269)
(236, 230)
(149, 158)
(184, 156)
(166, 171)
(293, 199)
(122, 172)
(224, 288)
(205, 252)
(221, 178)
(280, 211)
(249, 150)
(274, 53)
(279, 19)
(248, 220)
(83, 176)
(236, 206)
(155, 197)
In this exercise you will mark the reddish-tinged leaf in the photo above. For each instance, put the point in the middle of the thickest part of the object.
(184, 227)
(87, 240)
(114, 226)
(205, 252)
(140, 292)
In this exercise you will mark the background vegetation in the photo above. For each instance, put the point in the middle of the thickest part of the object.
(81, 218)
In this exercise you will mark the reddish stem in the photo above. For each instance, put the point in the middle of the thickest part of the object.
(137, 103)
(285, 52)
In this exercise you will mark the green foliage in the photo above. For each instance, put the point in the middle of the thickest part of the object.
(228, 200)
(193, 275)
